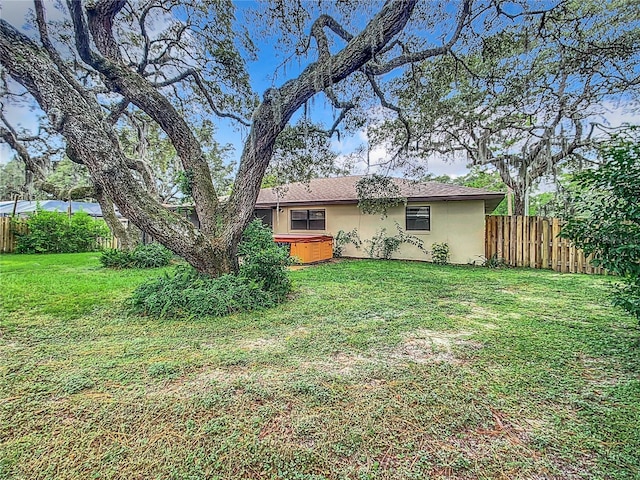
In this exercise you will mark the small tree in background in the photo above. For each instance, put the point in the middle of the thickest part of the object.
(606, 222)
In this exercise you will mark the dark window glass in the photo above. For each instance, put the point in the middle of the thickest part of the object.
(418, 218)
(307, 219)
(316, 220)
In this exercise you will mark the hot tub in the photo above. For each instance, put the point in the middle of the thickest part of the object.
(308, 248)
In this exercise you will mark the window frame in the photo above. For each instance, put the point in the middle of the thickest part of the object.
(308, 219)
(415, 218)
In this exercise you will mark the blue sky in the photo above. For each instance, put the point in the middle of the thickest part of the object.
(262, 76)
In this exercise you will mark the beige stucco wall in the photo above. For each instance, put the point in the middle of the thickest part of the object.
(459, 223)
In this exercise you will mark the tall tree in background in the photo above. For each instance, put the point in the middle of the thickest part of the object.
(159, 163)
(302, 152)
(528, 101)
(477, 177)
(12, 179)
(182, 63)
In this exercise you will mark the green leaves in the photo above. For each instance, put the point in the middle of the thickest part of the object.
(607, 219)
(377, 193)
(151, 255)
(55, 232)
(262, 282)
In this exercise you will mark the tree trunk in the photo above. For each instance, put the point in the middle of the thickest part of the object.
(76, 114)
(518, 202)
(128, 238)
(79, 118)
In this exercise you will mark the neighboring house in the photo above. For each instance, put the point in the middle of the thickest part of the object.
(434, 212)
(25, 207)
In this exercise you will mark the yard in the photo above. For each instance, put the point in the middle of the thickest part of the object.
(374, 370)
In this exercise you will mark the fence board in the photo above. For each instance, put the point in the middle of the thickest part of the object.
(499, 237)
(545, 243)
(518, 241)
(534, 242)
(572, 259)
(555, 248)
(507, 238)
(512, 241)
(580, 261)
(525, 241)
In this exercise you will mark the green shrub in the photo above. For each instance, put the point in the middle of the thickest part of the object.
(382, 246)
(261, 282)
(55, 232)
(343, 239)
(190, 293)
(263, 261)
(440, 253)
(113, 258)
(152, 255)
(606, 218)
(494, 262)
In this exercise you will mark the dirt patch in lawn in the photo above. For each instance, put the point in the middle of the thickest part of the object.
(339, 364)
(481, 316)
(429, 346)
(595, 370)
(261, 344)
(189, 386)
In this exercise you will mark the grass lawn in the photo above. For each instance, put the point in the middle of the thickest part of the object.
(375, 370)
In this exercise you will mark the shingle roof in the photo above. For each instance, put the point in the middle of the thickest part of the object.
(343, 190)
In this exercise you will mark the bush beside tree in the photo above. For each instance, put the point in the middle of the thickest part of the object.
(56, 232)
(151, 255)
(261, 282)
(606, 222)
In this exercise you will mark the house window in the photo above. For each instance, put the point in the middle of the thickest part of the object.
(307, 220)
(418, 218)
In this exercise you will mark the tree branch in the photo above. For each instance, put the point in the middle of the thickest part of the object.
(406, 58)
(100, 15)
(280, 104)
(144, 95)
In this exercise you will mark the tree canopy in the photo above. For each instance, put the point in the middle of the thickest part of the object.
(530, 100)
(182, 65)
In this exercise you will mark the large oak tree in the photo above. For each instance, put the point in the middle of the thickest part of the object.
(182, 62)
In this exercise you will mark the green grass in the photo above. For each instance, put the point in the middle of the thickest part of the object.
(374, 370)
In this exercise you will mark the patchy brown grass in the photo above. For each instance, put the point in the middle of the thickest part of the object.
(373, 370)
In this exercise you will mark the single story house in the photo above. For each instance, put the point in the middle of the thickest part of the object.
(433, 212)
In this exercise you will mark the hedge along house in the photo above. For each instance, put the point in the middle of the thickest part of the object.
(433, 212)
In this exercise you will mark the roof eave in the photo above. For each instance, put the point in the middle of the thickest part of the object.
(490, 199)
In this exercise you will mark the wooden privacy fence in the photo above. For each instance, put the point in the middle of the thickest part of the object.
(8, 237)
(534, 242)
(7, 234)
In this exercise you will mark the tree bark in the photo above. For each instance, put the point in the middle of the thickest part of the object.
(128, 238)
(75, 113)
(518, 203)
(79, 118)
